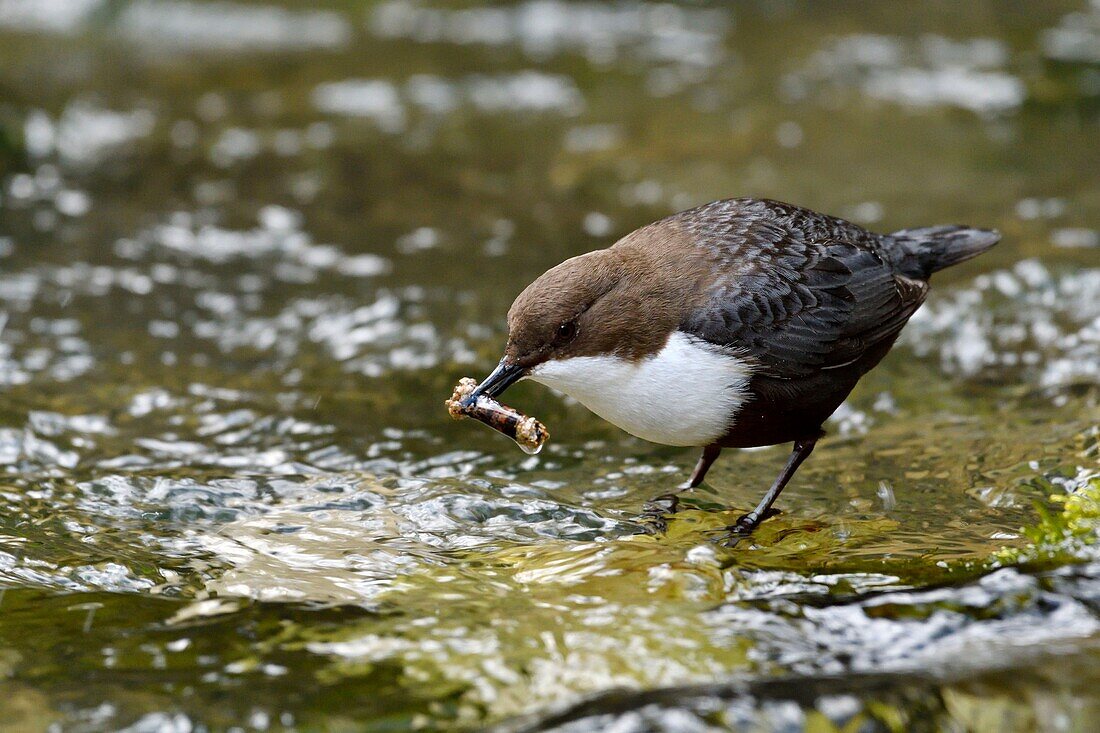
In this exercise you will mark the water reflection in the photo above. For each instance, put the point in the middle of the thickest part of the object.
(246, 249)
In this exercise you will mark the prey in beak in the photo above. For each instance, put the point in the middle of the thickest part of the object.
(478, 402)
(505, 375)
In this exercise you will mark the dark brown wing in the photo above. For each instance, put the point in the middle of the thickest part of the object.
(799, 292)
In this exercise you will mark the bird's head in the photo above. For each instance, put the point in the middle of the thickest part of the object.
(565, 312)
(620, 303)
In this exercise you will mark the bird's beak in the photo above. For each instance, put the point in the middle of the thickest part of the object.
(501, 378)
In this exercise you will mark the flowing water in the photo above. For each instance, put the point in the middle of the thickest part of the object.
(247, 248)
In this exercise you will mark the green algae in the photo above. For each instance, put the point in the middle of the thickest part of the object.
(1068, 534)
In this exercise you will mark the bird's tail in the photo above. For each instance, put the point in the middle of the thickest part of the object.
(930, 249)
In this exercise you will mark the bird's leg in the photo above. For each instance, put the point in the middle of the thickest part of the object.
(748, 522)
(657, 507)
(706, 460)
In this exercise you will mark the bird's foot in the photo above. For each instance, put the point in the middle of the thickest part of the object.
(655, 513)
(663, 504)
(744, 526)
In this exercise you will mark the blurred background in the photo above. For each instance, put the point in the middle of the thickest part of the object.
(246, 249)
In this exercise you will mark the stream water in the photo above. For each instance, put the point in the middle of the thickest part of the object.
(246, 249)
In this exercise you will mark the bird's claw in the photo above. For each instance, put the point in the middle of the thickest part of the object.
(654, 516)
(663, 504)
(737, 531)
(744, 526)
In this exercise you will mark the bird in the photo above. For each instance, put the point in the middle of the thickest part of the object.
(740, 323)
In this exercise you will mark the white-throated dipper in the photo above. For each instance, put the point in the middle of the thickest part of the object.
(740, 323)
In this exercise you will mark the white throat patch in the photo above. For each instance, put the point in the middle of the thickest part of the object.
(685, 394)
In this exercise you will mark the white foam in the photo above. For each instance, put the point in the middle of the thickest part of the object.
(929, 72)
(52, 16)
(225, 26)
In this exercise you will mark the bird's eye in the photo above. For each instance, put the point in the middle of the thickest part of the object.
(566, 332)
